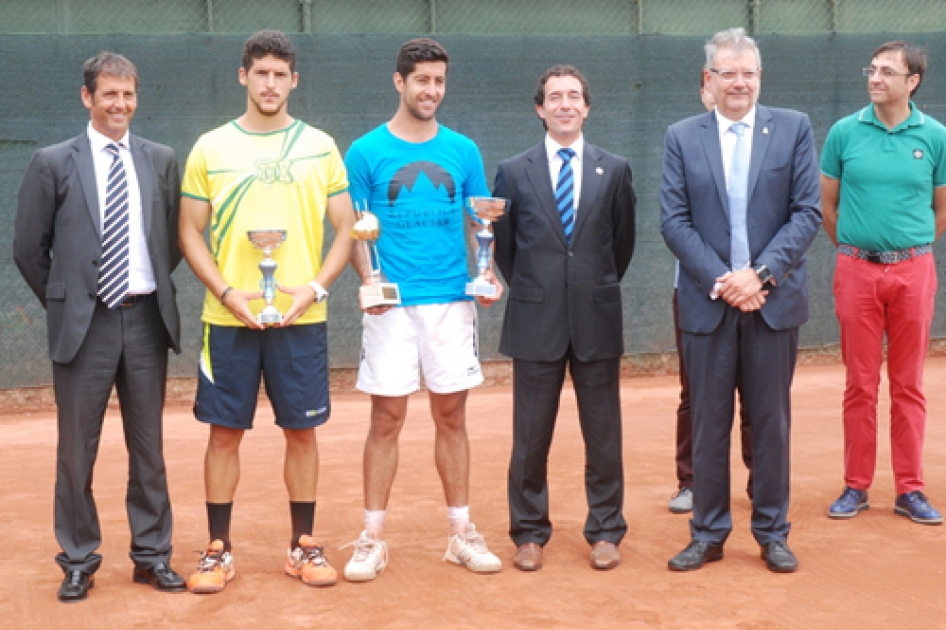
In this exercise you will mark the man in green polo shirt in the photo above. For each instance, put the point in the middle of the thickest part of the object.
(883, 190)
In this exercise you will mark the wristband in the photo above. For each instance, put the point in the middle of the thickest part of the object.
(223, 296)
(320, 292)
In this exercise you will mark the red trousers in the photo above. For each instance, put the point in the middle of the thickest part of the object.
(871, 300)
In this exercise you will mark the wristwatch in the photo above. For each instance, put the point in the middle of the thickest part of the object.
(320, 293)
(762, 273)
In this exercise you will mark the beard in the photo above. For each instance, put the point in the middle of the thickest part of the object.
(267, 110)
(415, 111)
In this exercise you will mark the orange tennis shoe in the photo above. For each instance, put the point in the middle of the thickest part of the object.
(308, 562)
(214, 570)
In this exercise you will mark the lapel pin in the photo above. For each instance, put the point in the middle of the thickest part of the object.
(765, 131)
(599, 171)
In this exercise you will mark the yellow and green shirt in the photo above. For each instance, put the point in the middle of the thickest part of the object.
(278, 180)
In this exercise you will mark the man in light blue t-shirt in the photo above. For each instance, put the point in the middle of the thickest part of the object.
(417, 190)
(415, 176)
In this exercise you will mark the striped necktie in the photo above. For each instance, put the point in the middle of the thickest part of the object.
(565, 193)
(737, 191)
(113, 273)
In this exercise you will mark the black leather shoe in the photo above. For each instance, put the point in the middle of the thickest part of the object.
(697, 553)
(161, 576)
(778, 557)
(75, 586)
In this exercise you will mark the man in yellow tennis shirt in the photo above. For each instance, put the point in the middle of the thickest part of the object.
(264, 170)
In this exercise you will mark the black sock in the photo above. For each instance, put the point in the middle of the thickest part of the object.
(303, 520)
(218, 519)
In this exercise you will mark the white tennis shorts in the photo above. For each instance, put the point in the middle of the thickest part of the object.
(439, 340)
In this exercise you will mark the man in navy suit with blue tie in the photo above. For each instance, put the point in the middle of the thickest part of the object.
(563, 249)
(740, 205)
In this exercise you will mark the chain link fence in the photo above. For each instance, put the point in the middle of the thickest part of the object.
(475, 17)
(498, 48)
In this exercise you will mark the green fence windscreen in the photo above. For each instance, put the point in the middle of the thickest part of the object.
(476, 17)
(640, 84)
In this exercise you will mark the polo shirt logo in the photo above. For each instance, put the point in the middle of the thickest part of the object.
(918, 154)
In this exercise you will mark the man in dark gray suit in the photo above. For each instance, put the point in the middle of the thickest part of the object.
(96, 240)
(563, 250)
(739, 208)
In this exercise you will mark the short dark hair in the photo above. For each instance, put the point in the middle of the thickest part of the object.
(912, 54)
(107, 64)
(562, 71)
(420, 50)
(269, 42)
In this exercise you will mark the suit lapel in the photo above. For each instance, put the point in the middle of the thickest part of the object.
(85, 167)
(143, 171)
(537, 172)
(591, 180)
(761, 140)
(714, 156)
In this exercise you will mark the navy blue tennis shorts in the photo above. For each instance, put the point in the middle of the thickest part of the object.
(292, 361)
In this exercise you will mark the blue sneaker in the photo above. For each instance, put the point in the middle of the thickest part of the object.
(915, 506)
(849, 503)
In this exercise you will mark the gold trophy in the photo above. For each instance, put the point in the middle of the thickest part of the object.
(268, 240)
(376, 291)
(487, 210)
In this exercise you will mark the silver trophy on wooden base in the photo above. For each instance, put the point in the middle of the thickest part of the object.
(376, 291)
(487, 210)
(268, 241)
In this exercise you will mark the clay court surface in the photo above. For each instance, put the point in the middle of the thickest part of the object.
(876, 571)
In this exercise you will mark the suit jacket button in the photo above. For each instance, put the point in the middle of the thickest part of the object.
(95, 263)
(570, 253)
(91, 295)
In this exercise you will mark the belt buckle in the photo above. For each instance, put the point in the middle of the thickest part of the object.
(131, 300)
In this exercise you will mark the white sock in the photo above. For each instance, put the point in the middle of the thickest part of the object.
(459, 518)
(374, 522)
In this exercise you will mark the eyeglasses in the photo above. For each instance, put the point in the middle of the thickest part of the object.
(885, 72)
(730, 75)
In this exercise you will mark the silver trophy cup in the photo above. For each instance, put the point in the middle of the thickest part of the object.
(268, 240)
(376, 291)
(487, 210)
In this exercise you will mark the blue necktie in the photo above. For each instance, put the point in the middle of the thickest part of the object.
(565, 193)
(737, 190)
(113, 273)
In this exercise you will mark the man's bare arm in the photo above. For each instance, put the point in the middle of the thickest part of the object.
(830, 194)
(195, 214)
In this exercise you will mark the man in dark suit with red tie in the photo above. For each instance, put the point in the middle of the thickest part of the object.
(563, 249)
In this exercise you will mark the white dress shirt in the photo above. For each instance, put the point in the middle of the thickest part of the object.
(140, 273)
(555, 164)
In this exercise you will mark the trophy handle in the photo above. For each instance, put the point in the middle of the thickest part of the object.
(374, 262)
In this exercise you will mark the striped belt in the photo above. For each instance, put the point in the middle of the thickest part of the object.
(884, 258)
